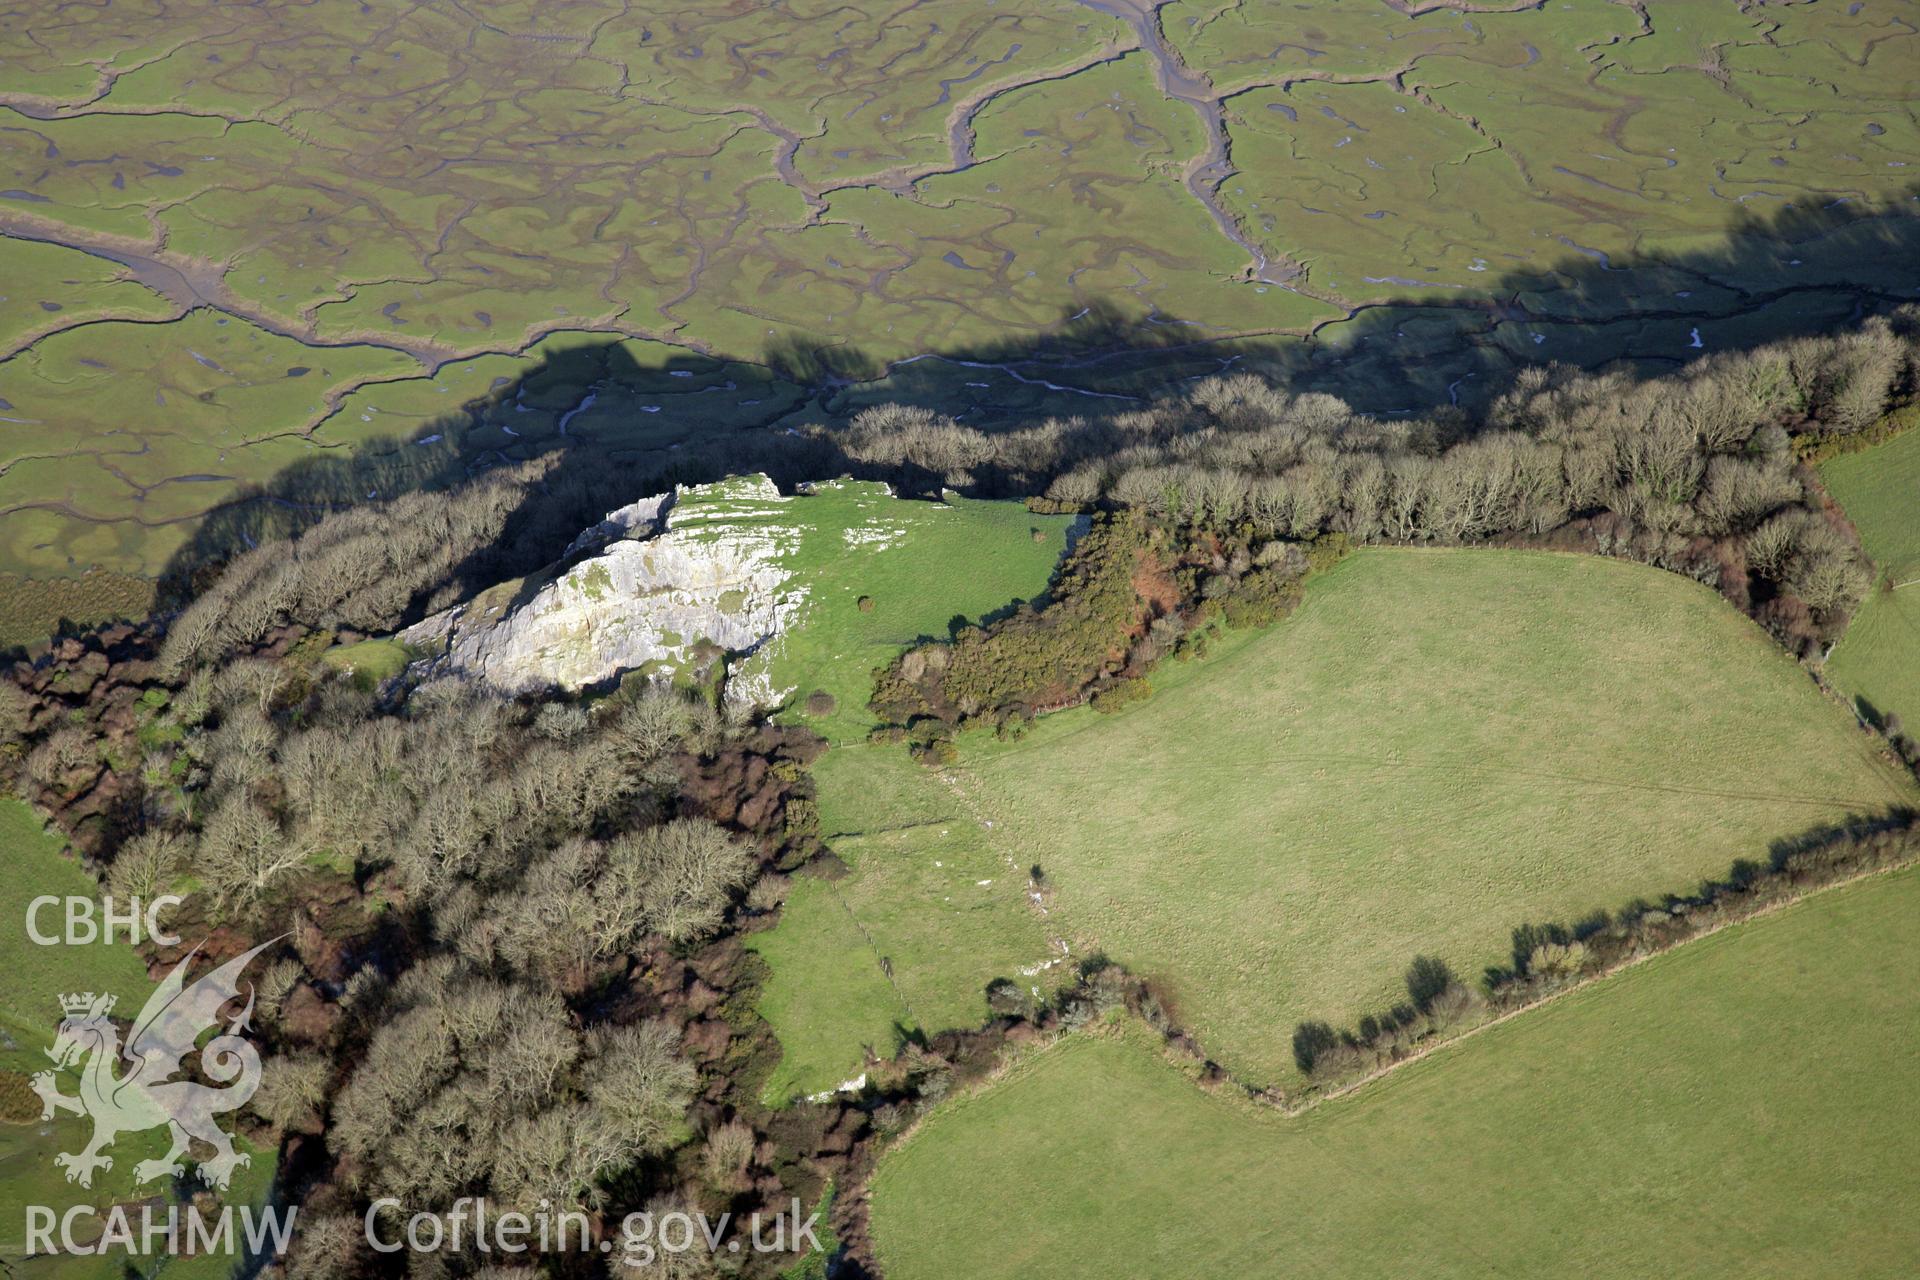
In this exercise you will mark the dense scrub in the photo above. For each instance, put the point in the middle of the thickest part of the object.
(1035, 659)
(511, 964)
(1699, 471)
(1134, 589)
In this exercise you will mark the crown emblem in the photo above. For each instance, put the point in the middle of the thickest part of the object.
(84, 1003)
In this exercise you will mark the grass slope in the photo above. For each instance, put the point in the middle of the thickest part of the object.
(1880, 490)
(32, 977)
(1878, 660)
(914, 898)
(1737, 1108)
(927, 895)
(1437, 747)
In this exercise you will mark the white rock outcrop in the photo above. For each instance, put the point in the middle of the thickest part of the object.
(639, 519)
(673, 570)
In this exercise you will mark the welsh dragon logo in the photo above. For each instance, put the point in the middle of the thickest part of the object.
(144, 1093)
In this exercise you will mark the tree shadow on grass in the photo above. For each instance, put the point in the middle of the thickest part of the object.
(1552, 957)
(1744, 876)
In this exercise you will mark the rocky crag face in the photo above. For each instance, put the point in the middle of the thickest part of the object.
(783, 596)
(668, 582)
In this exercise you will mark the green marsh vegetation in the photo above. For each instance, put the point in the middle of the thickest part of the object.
(221, 267)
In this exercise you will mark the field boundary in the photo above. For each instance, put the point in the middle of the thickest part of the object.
(1180, 1052)
(1775, 807)
(1264, 1103)
(1309, 1103)
(1103, 1101)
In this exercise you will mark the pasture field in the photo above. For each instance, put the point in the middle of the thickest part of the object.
(928, 914)
(926, 895)
(1735, 1107)
(1880, 490)
(764, 213)
(1437, 747)
(32, 978)
(1878, 660)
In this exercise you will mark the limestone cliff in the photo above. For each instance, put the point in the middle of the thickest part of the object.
(705, 563)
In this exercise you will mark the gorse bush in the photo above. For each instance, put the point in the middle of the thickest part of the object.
(1121, 694)
(1047, 655)
(1035, 658)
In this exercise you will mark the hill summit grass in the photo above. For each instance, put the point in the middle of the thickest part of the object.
(1437, 747)
(1738, 1107)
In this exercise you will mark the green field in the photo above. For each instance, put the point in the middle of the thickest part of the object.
(917, 564)
(928, 915)
(1880, 490)
(32, 979)
(1438, 746)
(237, 248)
(1737, 1108)
(1878, 660)
(928, 893)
